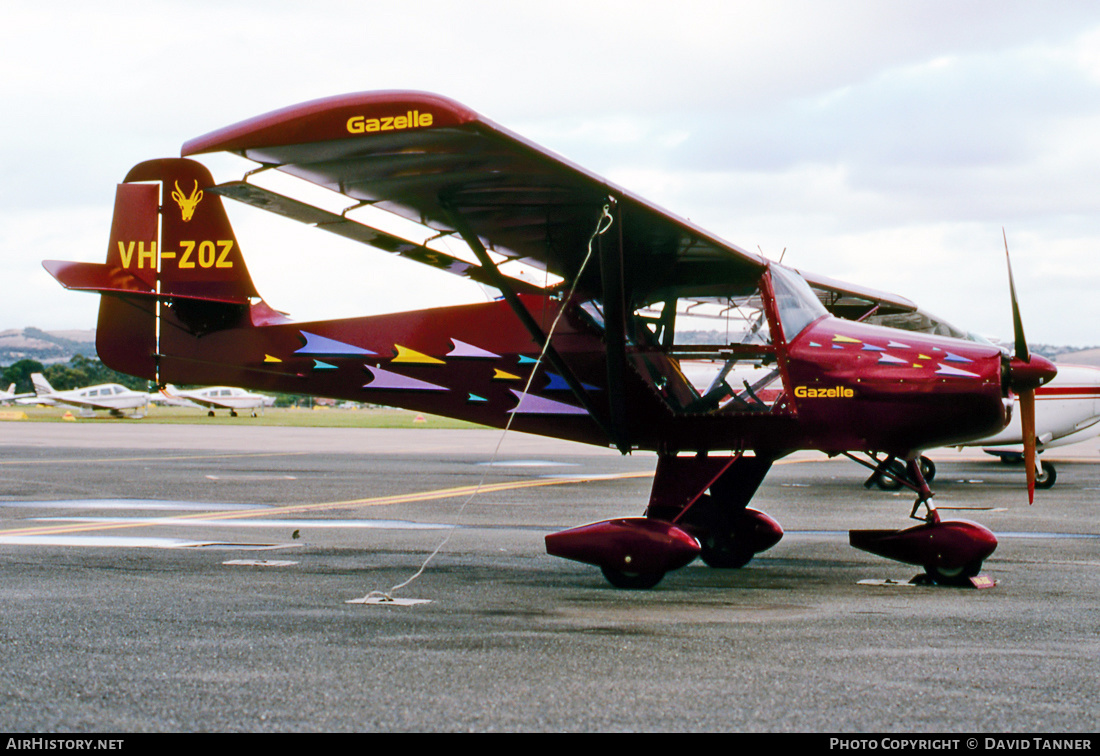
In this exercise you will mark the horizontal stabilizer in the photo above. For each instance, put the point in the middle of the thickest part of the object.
(104, 278)
(97, 277)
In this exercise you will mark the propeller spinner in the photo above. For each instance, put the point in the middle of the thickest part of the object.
(1026, 372)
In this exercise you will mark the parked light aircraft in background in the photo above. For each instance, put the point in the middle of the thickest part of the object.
(106, 396)
(11, 396)
(589, 350)
(1067, 411)
(219, 397)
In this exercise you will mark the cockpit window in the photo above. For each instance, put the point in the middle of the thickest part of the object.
(795, 301)
(921, 321)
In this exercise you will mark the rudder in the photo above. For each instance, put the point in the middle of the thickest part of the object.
(172, 255)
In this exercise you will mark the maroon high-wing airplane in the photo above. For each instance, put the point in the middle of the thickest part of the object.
(592, 353)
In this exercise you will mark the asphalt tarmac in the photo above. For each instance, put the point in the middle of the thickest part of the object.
(177, 578)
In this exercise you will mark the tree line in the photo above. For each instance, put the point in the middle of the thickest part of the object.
(77, 372)
(83, 371)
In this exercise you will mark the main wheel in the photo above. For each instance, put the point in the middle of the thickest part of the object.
(725, 551)
(632, 581)
(953, 576)
(1045, 476)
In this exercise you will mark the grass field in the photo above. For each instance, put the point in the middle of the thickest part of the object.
(382, 417)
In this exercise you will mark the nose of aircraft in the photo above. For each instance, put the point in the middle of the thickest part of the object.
(1030, 375)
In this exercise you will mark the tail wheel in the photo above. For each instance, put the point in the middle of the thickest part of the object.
(1046, 475)
(632, 581)
(953, 576)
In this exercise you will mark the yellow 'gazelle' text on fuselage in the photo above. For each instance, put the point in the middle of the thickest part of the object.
(836, 392)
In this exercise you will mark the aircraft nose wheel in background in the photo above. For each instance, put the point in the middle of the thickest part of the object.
(893, 483)
(1045, 476)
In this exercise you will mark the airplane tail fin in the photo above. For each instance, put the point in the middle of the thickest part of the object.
(11, 389)
(42, 387)
(199, 257)
(174, 267)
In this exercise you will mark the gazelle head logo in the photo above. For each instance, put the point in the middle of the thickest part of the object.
(187, 204)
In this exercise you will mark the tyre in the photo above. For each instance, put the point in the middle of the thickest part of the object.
(724, 552)
(953, 576)
(632, 581)
(1045, 476)
(888, 483)
(927, 469)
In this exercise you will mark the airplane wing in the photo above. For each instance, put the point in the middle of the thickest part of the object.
(854, 302)
(185, 399)
(432, 161)
(203, 401)
(82, 403)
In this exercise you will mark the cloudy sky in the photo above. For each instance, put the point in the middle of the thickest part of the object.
(882, 142)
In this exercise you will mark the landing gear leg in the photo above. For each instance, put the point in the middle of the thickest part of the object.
(730, 533)
(682, 521)
(951, 552)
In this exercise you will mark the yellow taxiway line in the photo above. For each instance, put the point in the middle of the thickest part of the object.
(373, 501)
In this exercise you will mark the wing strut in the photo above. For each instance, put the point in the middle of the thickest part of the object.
(614, 314)
(501, 282)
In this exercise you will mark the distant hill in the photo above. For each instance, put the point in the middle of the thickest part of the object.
(1079, 357)
(46, 347)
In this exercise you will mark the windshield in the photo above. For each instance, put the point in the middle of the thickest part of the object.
(795, 301)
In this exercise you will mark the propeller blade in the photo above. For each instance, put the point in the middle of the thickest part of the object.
(1027, 425)
(1017, 322)
(1025, 375)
